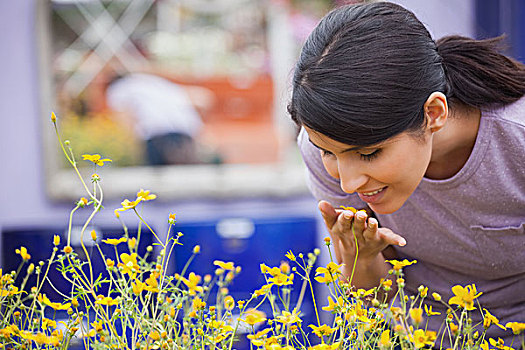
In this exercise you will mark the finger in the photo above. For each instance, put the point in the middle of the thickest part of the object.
(343, 228)
(360, 221)
(390, 237)
(371, 233)
(329, 214)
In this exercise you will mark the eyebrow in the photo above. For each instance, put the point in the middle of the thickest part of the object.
(350, 149)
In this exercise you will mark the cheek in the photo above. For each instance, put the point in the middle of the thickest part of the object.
(330, 164)
(408, 166)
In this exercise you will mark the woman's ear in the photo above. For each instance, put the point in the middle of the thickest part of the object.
(436, 111)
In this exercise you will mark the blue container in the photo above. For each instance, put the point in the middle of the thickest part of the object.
(248, 243)
(39, 243)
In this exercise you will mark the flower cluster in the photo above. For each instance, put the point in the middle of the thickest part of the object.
(135, 304)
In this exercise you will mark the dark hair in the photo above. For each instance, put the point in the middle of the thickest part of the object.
(366, 71)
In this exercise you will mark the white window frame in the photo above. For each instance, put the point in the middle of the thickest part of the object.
(282, 179)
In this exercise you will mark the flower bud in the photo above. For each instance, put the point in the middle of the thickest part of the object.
(56, 240)
(93, 235)
(132, 243)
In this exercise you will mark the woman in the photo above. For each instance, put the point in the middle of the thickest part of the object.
(431, 137)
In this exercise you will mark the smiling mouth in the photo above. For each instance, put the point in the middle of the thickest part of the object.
(373, 192)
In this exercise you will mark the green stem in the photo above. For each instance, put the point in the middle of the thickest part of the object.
(356, 254)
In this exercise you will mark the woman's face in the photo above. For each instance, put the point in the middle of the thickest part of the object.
(383, 175)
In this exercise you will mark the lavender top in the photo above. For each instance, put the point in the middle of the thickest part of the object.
(467, 229)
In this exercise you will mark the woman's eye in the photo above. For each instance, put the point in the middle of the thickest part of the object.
(369, 156)
(326, 153)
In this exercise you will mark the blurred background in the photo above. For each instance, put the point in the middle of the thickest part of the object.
(188, 98)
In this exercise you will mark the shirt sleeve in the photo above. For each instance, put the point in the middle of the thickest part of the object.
(321, 184)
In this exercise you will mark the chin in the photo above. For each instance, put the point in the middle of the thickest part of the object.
(385, 208)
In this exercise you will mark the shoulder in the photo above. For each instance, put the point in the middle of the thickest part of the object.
(512, 115)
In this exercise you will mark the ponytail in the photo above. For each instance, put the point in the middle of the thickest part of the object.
(477, 74)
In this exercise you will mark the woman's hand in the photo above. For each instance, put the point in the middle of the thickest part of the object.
(371, 241)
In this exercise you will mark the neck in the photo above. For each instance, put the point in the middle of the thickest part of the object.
(453, 144)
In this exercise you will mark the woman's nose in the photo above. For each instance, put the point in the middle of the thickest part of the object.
(351, 178)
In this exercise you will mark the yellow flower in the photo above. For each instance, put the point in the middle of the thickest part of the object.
(68, 249)
(285, 267)
(53, 117)
(129, 264)
(289, 318)
(322, 330)
(154, 335)
(420, 338)
(265, 289)
(332, 305)
(198, 304)
(464, 296)
(454, 328)
(42, 298)
(436, 296)
(93, 235)
(138, 287)
(224, 265)
(56, 240)
(416, 315)
(197, 249)
(489, 319)
(152, 283)
(281, 279)
(398, 265)
(260, 334)
(254, 316)
(95, 158)
(97, 326)
(517, 327)
(193, 283)
(171, 219)
(23, 253)
(132, 243)
(47, 323)
(127, 204)
(229, 303)
(330, 272)
(499, 344)
(109, 301)
(429, 312)
(113, 241)
(352, 209)
(145, 195)
(358, 312)
(290, 256)
(384, 340)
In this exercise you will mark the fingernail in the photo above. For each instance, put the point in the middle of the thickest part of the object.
(347, 215)
(402, 242)
(361, 215)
